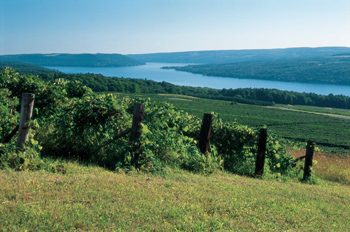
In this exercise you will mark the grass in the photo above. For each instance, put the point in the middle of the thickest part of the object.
(93, 199)
(316, 109)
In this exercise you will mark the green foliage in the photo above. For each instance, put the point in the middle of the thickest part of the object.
(47, 94)
(24, 68)
(332, 134)
(278, 159)
(238, 146)
(10, 155)
(73, 122)
(26, 159)
(48, 97)
(9, 116)
(81, 125)
(169, 135)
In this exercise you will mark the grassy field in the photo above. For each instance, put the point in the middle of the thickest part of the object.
(94, 199)
(298, 123)
(321, 110)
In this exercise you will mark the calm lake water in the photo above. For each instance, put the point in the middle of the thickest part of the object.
(153, 71)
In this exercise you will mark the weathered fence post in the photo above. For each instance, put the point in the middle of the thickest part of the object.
(139, 114)
(260, 160)
(204, 137)
(308, 159)
(27, 105)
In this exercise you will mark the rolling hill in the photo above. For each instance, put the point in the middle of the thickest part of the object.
(79, 60)
(24, 68)
(236, 56)
(326, 70)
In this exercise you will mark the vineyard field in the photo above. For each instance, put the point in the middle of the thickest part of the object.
(310, 123)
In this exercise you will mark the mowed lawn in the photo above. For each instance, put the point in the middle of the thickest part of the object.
(94, 199)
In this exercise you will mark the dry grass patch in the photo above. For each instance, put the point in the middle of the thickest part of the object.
(176, 95)
(179, 99)
(329, 167)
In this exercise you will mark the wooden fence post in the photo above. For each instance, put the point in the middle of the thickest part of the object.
(260, 160)
(27, 105)
(308, 159)
(139, 114)
(204, 137)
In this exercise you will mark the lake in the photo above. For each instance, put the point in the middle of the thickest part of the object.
(153, 71)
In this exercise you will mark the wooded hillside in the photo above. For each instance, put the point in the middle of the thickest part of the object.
(328, 70)
(236, 56)
(80, 60)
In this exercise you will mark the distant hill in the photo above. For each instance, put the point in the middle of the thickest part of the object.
(237, 56)
(330, 70)
(24, 68)
(79, 60)
(342, 55)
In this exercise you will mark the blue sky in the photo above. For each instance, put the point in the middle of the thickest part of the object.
(147, 26)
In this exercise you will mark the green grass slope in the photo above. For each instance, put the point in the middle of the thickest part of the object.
(93, 199)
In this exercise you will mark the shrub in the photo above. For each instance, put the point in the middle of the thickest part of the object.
(73, 122)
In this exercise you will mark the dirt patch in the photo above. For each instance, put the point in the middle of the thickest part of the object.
(310, 112)
(175, 95)
(179, 99)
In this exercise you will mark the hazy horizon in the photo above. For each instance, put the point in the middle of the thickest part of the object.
(165, 52)
(157, 26)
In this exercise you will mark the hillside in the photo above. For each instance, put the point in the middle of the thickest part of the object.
(159, 182)
(93, 199)
(24, 68)
(79, 60)
(327, 70)
(236, 56)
